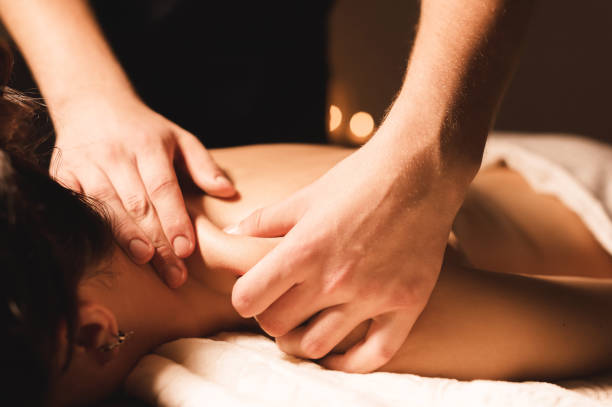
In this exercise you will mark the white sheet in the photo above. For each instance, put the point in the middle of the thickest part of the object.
(237, 369)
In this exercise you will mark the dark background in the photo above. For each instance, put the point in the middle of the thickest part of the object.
(563, 83)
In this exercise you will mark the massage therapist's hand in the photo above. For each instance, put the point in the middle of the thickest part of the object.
(123, 153)
(363, 242)
(109, 144)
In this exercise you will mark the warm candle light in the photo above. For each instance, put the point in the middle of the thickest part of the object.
(361, 124)
(335, 117)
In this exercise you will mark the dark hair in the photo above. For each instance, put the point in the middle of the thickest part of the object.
(49, 237)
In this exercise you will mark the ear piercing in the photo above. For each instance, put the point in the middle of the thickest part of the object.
(121, 338)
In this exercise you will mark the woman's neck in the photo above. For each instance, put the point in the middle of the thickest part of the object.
(144, 304)
(141, 303)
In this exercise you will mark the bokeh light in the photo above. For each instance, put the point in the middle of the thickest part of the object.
(335, 117)
(361, 125)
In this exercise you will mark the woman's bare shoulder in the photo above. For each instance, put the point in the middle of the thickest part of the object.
(280, 156)
(264, 174)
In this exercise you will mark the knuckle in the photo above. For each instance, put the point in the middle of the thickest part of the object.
(407, 295)
(242, 303)
(306, 253)
(370, 291)
(314, 347)
(137, 206)
(111, 154)
(163, 250)
(338, 280)
(167, 140)
(154, 143)
(272, 325)
(121, 226)
(402, 297)
(310, 247)
(284, 344)
(384, 353)
(157, 143)
(103, 194)
(163, 187)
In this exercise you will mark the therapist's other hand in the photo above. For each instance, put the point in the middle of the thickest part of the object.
(124, 154)
(363, 242)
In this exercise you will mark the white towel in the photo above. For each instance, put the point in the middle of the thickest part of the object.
(237, 369)
(575, 169)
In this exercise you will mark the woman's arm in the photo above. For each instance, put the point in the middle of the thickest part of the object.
(489, 325)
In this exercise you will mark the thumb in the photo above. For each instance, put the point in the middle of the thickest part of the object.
(203, 170)
(236, 254)
(272, 221)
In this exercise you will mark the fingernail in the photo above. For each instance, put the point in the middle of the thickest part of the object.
(232, 230)
(223, 181)
(140, 250)
(182, 246)
(175, 276)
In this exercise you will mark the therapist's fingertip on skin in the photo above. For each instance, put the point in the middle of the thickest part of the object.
(224, 182)
(175, 276)
(140, 250)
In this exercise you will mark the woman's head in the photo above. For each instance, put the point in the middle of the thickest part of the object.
(49, 238)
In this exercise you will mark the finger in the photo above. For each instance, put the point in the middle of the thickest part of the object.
(266, 282)
(68, 180)
(293, 308)
(202, 168)
(137, 204)
(272, 221)
(322, 334)
(386, 335)
(164, 192)
(219, 249)
(128, 234)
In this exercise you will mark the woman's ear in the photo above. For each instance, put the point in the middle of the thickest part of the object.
(97, 329)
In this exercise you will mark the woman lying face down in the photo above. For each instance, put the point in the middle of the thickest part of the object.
(71, 292)
(78, 314)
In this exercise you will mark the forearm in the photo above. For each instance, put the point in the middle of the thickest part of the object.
(461, 63)
(486, 325)
(65, 50)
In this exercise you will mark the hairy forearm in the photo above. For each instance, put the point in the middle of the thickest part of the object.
(65, 49)
(461, 62)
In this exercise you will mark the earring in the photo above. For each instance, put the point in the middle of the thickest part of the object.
(121, 337)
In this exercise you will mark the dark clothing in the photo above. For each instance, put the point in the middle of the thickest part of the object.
(230, 72)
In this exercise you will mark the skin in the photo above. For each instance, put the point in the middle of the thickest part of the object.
(415, 171)
(110, 144)
(379, 220)
(495, 324)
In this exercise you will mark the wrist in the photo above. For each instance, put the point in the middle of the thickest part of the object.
(414, 175)
(69, 97)
(448, 148)
(89, 100)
